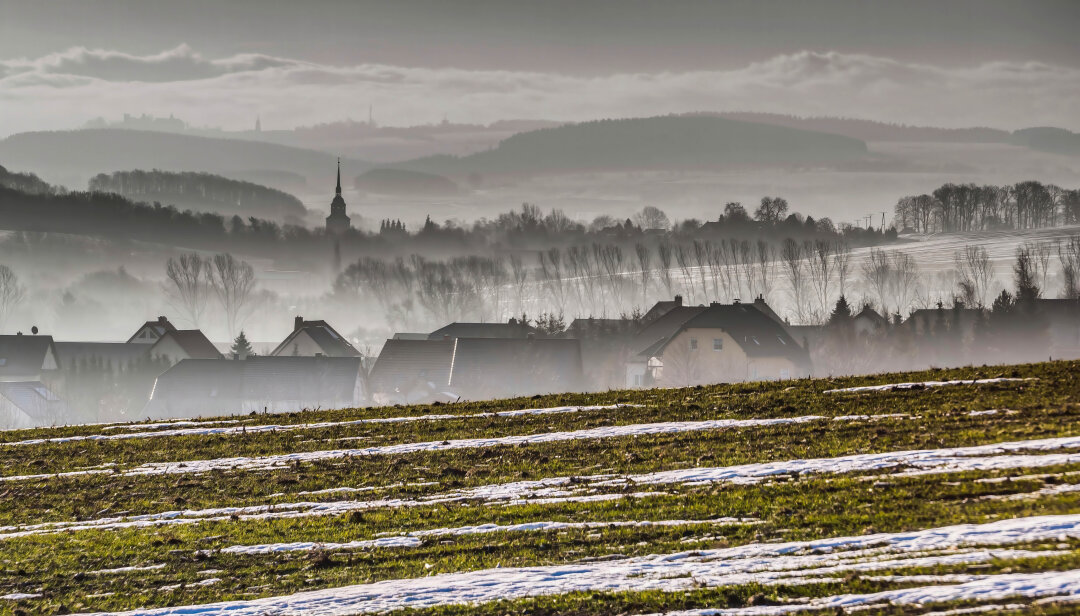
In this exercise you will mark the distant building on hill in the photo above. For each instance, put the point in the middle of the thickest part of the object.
(337, 222)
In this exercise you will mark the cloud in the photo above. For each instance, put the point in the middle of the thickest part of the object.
(66, 88)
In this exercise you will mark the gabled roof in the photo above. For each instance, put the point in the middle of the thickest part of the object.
(118, 354)
(192, 341)
(869, 313)
(159, 327)
(493, 367)
(402, 362)
(26, 356)
(661, 308)
(756, 333)
(513, 329)
(321, 333)
(664, 326)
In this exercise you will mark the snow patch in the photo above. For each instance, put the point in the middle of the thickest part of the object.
(923, 385)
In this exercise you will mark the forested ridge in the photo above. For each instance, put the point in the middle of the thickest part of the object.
(197, 190)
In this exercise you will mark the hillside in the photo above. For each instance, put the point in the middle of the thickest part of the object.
(200, 192)
(757, 498)
(668, 142)
(404, 182)
(1047, 139)
(24, 182)
(869, 130)
(73, 157)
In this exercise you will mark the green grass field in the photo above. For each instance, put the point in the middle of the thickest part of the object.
(628, 518)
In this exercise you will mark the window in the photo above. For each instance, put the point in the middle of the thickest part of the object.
(717, 344)
(693, 344)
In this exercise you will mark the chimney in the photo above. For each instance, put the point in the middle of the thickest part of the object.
(678, 300)
(161, 319)
(298, 322)
(760, 299)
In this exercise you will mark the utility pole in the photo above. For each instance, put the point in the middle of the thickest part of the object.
(883, 222)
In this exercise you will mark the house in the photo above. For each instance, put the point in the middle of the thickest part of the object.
(411, 371)
(605, 348)
(722, 343)
(869, 323)
(27, 358)
(312, 338)
(1063, 325)
(511, 329)
(273, 384)
(931, 321)
(151, 331)
(661, 308)
(25, 400)
(651, 334)
(116, 355)
(179, 344)
(507, 367)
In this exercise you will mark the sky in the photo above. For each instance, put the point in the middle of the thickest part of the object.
(222, 63)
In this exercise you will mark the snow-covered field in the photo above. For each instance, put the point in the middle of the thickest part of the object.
(934, 494)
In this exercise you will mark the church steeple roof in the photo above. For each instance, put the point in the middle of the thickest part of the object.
(338, 189)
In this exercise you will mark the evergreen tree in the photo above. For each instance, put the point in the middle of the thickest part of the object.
(241, 348)
(841, 312)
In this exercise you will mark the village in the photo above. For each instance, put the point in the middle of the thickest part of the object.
(162, 372)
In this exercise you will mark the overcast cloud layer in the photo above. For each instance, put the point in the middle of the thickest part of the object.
(65, 89)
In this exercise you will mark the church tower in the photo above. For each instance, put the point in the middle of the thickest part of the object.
(337, 222)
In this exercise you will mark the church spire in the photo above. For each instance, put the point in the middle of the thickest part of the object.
(338, 189)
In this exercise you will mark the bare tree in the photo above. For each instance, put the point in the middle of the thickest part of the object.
(766, 267)
(819, 262)
(877, 275)
(11, 293)
(905, 278)
(1069, 256)
(232, 281)
(842, 264)
(519, 274)
(974, 272)
(644, 261)
(652, 217)
(188, 285)
(792, 257)
(682, 257)
(663, 254)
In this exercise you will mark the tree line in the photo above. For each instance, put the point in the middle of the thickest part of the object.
(969, 207)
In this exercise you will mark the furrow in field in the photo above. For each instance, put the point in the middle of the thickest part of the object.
(276, 461)
(416, 538)
(789, 563)
(582, 488)
(922, 385)
(191, 428)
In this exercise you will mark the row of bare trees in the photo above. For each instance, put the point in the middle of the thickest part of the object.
(192, 280)
(968, 207)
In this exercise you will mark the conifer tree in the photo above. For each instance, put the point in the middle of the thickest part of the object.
(241, 348)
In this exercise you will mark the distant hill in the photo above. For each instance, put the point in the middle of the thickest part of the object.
(1047, 139)
(670, 142)
(201, 192)
(73, 157)
(404, 182)
(869, 130)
